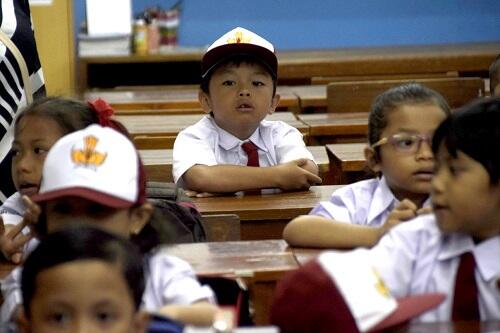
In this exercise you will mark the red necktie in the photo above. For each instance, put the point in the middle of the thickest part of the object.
(252, 151)
(465, 304)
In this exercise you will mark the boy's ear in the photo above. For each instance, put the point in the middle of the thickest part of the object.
(274, 103)
(372, 159)
(205, 101)
(140, 216)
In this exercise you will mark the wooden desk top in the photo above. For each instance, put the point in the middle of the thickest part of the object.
(158, 162)
(275, 206)
(233, 259)
(355, 123)
(177, 97)
(171, 125)
(463, 57)
(349, 155)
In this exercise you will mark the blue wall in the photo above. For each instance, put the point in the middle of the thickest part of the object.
(292, 24)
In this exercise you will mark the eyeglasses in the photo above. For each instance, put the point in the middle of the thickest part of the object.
(405, 143)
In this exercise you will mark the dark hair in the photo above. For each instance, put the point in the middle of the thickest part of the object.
(494, 73)
(474, 129)
(405, 94)
(236, 60)
(70, 114)
(81, 243)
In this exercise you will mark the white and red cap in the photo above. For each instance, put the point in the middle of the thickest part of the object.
(96, 163)
(342, 292)
(239, 41)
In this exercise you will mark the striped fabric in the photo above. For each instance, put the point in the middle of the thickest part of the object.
(15, 22)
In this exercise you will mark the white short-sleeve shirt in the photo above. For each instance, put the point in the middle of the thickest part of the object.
(207, 144)
(169, 280)
(415, 258)
(367, 202)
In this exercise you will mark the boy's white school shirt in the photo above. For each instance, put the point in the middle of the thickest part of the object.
(169, 280)
(415, 258)
(367, 202)
(207, 144)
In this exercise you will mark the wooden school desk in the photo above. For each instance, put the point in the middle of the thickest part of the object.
(260, 264)
(158, 163)
(348, 162)
(263, 216)
(165, 99)
(335, 127)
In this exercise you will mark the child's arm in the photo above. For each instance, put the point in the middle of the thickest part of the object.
(320, 232)
(198, 314)
(231, 178)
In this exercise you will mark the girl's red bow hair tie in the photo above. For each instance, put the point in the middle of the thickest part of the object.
(104, 112)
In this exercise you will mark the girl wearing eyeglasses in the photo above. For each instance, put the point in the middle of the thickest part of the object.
(401, 123)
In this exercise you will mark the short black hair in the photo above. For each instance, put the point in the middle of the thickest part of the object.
(474, 129)
(405, 94)
(237, 60)
(81, 243)
(494, 73)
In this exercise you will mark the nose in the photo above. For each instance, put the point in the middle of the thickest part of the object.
(23, 163)
(244, 92)
(424, 151)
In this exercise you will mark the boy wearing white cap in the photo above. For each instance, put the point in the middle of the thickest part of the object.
(220, 152)
(95, 176)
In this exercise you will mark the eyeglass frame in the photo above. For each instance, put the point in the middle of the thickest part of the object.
(391, 139)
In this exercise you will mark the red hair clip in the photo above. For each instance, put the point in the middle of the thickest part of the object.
(104, 111)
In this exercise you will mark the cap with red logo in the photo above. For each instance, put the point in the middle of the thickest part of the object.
(342, 292)
(96, 163)
(239, 41)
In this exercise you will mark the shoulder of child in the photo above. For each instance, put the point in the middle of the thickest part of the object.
(421, 227)
(160, 261)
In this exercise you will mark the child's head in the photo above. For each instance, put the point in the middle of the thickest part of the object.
(83, 277)
(238, 86)
(94, 175)
(40, 125)
(402, 121)
(494, 74)
(466, 186)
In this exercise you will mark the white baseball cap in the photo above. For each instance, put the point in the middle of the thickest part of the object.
(235, 42)
(342, 292)
(96, 163)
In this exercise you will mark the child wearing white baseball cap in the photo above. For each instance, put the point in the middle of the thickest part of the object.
(95, 176)
(221, 153)
(342, 292)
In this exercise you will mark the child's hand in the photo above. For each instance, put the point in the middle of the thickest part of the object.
(404, 211)
(32, 212)
(292, 176)
(12, 240)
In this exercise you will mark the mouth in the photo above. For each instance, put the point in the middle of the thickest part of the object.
(244, 107)
(424, 174)
(28, 189)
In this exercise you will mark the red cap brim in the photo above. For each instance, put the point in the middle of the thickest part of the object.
(408, 308)
(85, 193)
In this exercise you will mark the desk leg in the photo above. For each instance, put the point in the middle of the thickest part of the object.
(261, 296)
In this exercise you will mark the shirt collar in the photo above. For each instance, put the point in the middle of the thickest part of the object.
(228, 141)
(382, 200)
(488, 265)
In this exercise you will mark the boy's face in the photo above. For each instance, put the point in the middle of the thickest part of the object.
(240, 97)
(82, 296)
(33, 138)
(462, 197)
(62, 212)
(409, 173)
